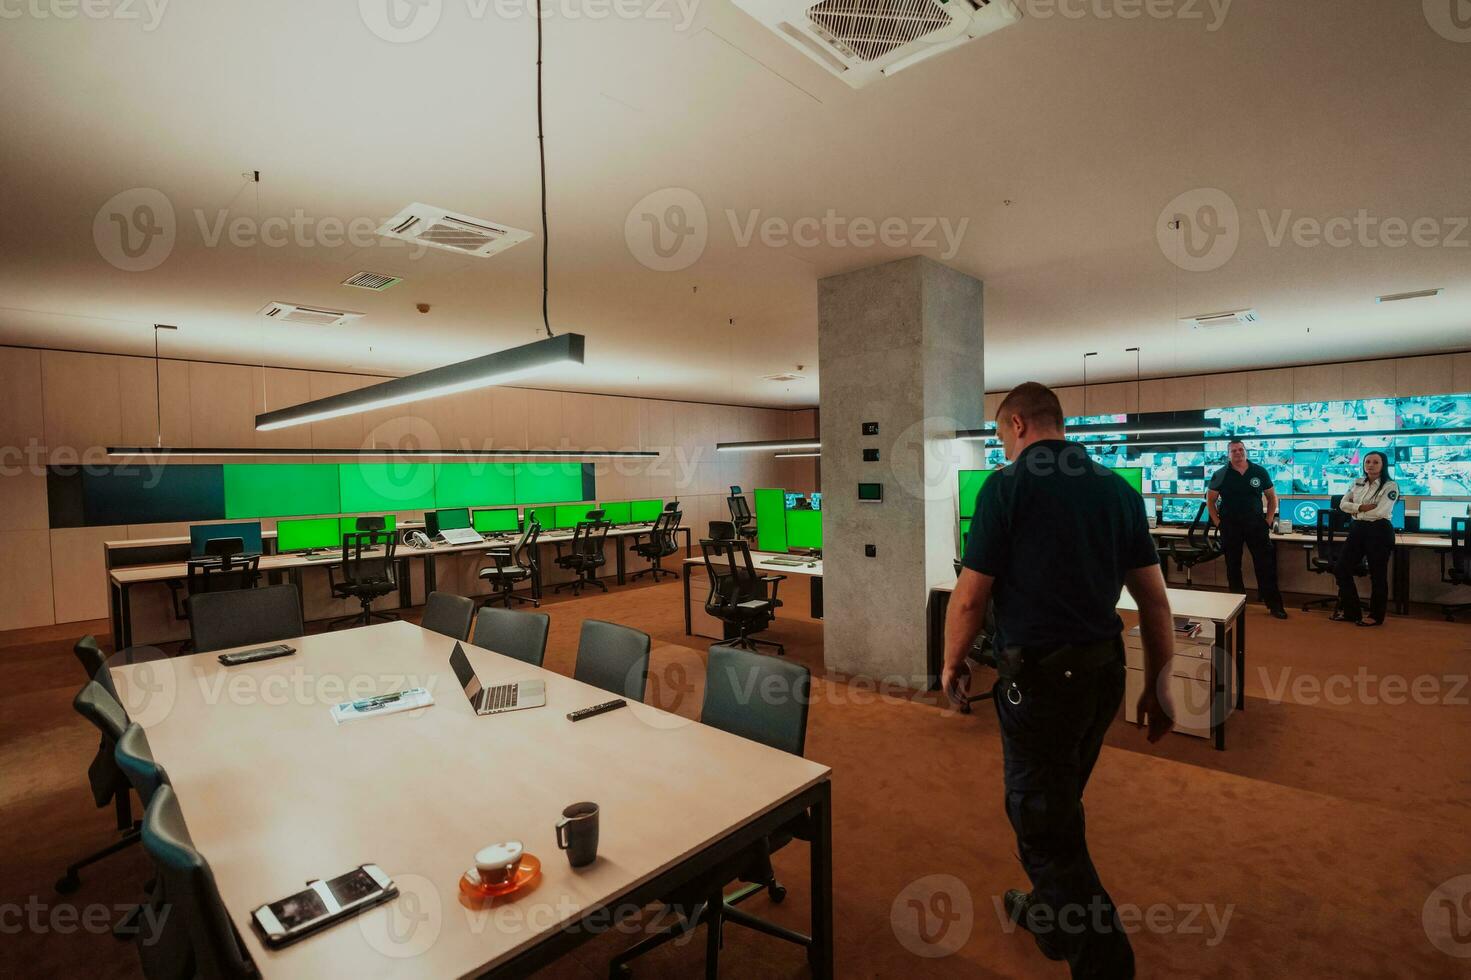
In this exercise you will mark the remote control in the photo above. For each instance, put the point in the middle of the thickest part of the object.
(252, 656)
(596, 709)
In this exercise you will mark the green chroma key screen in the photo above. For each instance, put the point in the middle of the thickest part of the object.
(771, 519)
(308, 534)
(282, 490)
(804, 528)
(618, 512)
(387, 486)
(971, 482)
(499, 520)
(570, 515)
(645, 511)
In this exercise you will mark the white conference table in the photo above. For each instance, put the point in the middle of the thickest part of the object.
(275, 793)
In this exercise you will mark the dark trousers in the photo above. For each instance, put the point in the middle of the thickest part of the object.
(1251, 532)
(1366, 539)
(1050, 741)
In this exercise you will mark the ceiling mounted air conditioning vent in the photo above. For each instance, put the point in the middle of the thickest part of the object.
(785, 377)
(315, 316)
(425, 224)
(371, 280)
(1223, 319)
(863, 40)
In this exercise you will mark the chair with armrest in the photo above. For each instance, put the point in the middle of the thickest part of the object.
(522, 635)
(109, 783)
(223, 568)
(660, 545)
(1455, 566)
(777, 717)
(585, 554)
(723, 531)
(218, 620)
(1330, 534)
(98, 665)
(448, 614)
(741, 517)
(745, 601)
(514, 564)
(368, 572)
(613, 657)
(1201, 544)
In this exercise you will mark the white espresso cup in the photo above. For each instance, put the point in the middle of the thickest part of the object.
(497, 863)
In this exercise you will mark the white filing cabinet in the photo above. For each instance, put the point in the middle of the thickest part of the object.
(1192, 684)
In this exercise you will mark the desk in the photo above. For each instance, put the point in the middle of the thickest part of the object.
(274, 794)
(810, 568)
(1226, 611)
(1404, 543)
(123, 576)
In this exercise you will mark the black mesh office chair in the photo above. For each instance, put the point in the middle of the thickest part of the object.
(218, 620)
(223, 568)
(661, 544)
(109, 783)
(778, 721)
(585, 553)
(740, 516)
(368, 572)
(1329, 536)
(521, 635)
(448, 614)
(515, 564)
(739, 597)
(613, 657)
(1202, 543)
(723, 531)
(197, 939)
(1455, 566)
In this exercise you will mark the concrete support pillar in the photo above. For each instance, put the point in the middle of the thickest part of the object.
(898, 344)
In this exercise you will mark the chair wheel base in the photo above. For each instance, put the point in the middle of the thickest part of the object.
(621, 970)
(67, 884)
(778, 893)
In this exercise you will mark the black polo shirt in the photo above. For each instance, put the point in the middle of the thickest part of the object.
(1241, 493)
(1058, 532)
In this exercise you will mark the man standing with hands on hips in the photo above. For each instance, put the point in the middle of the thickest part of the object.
(1054, 539)
(1243, 504)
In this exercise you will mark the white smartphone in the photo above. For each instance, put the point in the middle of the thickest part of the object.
(322, 903)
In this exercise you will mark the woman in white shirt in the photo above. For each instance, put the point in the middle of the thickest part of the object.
(1370, 501)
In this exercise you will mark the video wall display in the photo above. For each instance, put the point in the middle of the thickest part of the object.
(1308, 448)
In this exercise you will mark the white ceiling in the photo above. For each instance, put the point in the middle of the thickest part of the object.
(1089, 126)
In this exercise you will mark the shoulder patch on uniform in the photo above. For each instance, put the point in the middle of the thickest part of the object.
(1393, 494)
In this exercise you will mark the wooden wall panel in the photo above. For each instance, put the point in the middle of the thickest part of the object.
(1269, 387)
(579, 429)
(222, 402)
(543, 419)
(339, 433)
(615, 423)
(1184, 394)
(21, 419)
(23, 499)
(1460, 373)
(279, 388)
(25, 579)
(1152, 397)
(1423, 375)
(1226, 390)
(1368, 379)
(1318, 383)
(508, 417)
(80, 400)
(144, 412)
(78, 575)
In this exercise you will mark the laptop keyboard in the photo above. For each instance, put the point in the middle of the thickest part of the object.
(501, 698)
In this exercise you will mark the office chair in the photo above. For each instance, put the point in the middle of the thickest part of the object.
(740, 516)
(109, 783)
(224, 567)
(722, 531)
(521, 635)
(135, 759)
(98, 665)
(1458, 570)
(613, 657)
(449, 614)
(1322, 554)
(671, 506)
(513, 564)
(368, 572)
(982, 654)
(197, 938)
(585, 555)
(661, 544)
(1202, 543)
(732, 674)
(738, 596)
(219, 620)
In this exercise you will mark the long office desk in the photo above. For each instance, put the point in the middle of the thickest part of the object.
(762, 561)
(275, 794)
(1226, 611)
(122, 578)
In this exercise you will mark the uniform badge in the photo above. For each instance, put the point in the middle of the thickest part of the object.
(1256, 482)
(1393, 494)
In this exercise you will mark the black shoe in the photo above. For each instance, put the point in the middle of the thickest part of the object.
(1017, 902)
(1279, 613)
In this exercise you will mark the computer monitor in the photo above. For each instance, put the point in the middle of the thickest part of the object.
(1303, 512)
(455, 517)
(247, 531)
(1151, 507)
(350, 524)
(1397, 516)
(1436, 515)
(498, 520)
(795, 500)
(1179, 510)
(645, 511)
(571, 515)
(815, 499)
(618, 512)
(971, 482)
(1133, 476)
(308, 534)
(545, 516)
(804, 529)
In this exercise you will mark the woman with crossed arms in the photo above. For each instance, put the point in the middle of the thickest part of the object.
(1370, 501)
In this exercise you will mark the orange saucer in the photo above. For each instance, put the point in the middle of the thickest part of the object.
(526, 872)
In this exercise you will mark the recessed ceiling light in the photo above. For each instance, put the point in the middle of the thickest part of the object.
(1418, 294)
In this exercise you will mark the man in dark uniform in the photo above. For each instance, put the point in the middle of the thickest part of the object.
(1054, 539)
(1243, 504)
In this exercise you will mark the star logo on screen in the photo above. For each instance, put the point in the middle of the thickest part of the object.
(1306, 514)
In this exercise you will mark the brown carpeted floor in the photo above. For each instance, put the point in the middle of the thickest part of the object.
(1308, 848)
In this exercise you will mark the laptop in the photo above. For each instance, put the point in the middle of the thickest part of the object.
(461, 535)
(495, 700)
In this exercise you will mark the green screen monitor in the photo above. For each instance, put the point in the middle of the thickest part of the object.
(971, 482)
(771, 519)
(308, 534)
(645, 511)
(545, 516)
(964, 533)
(618, 512)
(1133, 476)
(350, 524)
(804, 529)
(571, 515)
(454, 517)
(496, 521)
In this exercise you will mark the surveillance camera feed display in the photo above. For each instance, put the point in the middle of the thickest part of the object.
(1179, 510)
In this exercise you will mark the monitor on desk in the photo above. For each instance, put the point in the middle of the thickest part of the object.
(1303, 512)
(1151, 507)
(453, 518)
(1133, 476)
(804, 529)
(618, 512)
(971, 482)
(1436, 515)
(815, 500)
(569, 516)
(645, 511)
(545, 516)
(247, 531)
(795, 500)
(308, 534)
(497, 520)
(1179, 510)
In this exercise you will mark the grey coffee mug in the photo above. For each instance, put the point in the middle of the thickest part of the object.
(577, 833)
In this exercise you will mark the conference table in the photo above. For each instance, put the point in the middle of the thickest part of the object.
(275, 794)
(765, 563)
(123, 574)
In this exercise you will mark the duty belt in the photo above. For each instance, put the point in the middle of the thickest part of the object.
(1023, 663)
